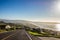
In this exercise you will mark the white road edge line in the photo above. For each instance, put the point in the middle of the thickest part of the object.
(28, 36)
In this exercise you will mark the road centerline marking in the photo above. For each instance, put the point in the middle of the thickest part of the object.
(9, 36)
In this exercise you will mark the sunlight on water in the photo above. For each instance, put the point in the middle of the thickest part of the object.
(58, 27)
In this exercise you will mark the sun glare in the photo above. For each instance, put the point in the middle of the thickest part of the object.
(58, 5)
(58, 27)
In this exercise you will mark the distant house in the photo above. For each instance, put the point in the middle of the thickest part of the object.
(7, 26)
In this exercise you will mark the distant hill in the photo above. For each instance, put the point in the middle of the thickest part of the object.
(24, 22)
(44, 25)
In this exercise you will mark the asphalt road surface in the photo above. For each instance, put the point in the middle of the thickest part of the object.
(17, 35)
(49, 38)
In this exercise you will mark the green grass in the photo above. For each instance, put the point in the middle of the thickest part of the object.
(34, 33)
(44, 34)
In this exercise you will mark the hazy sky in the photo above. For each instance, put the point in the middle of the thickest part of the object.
(35, 10)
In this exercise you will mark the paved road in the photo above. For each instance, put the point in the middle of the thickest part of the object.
(49, 38)
(17, 35)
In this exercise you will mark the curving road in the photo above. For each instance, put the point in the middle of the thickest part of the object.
(17, 35)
